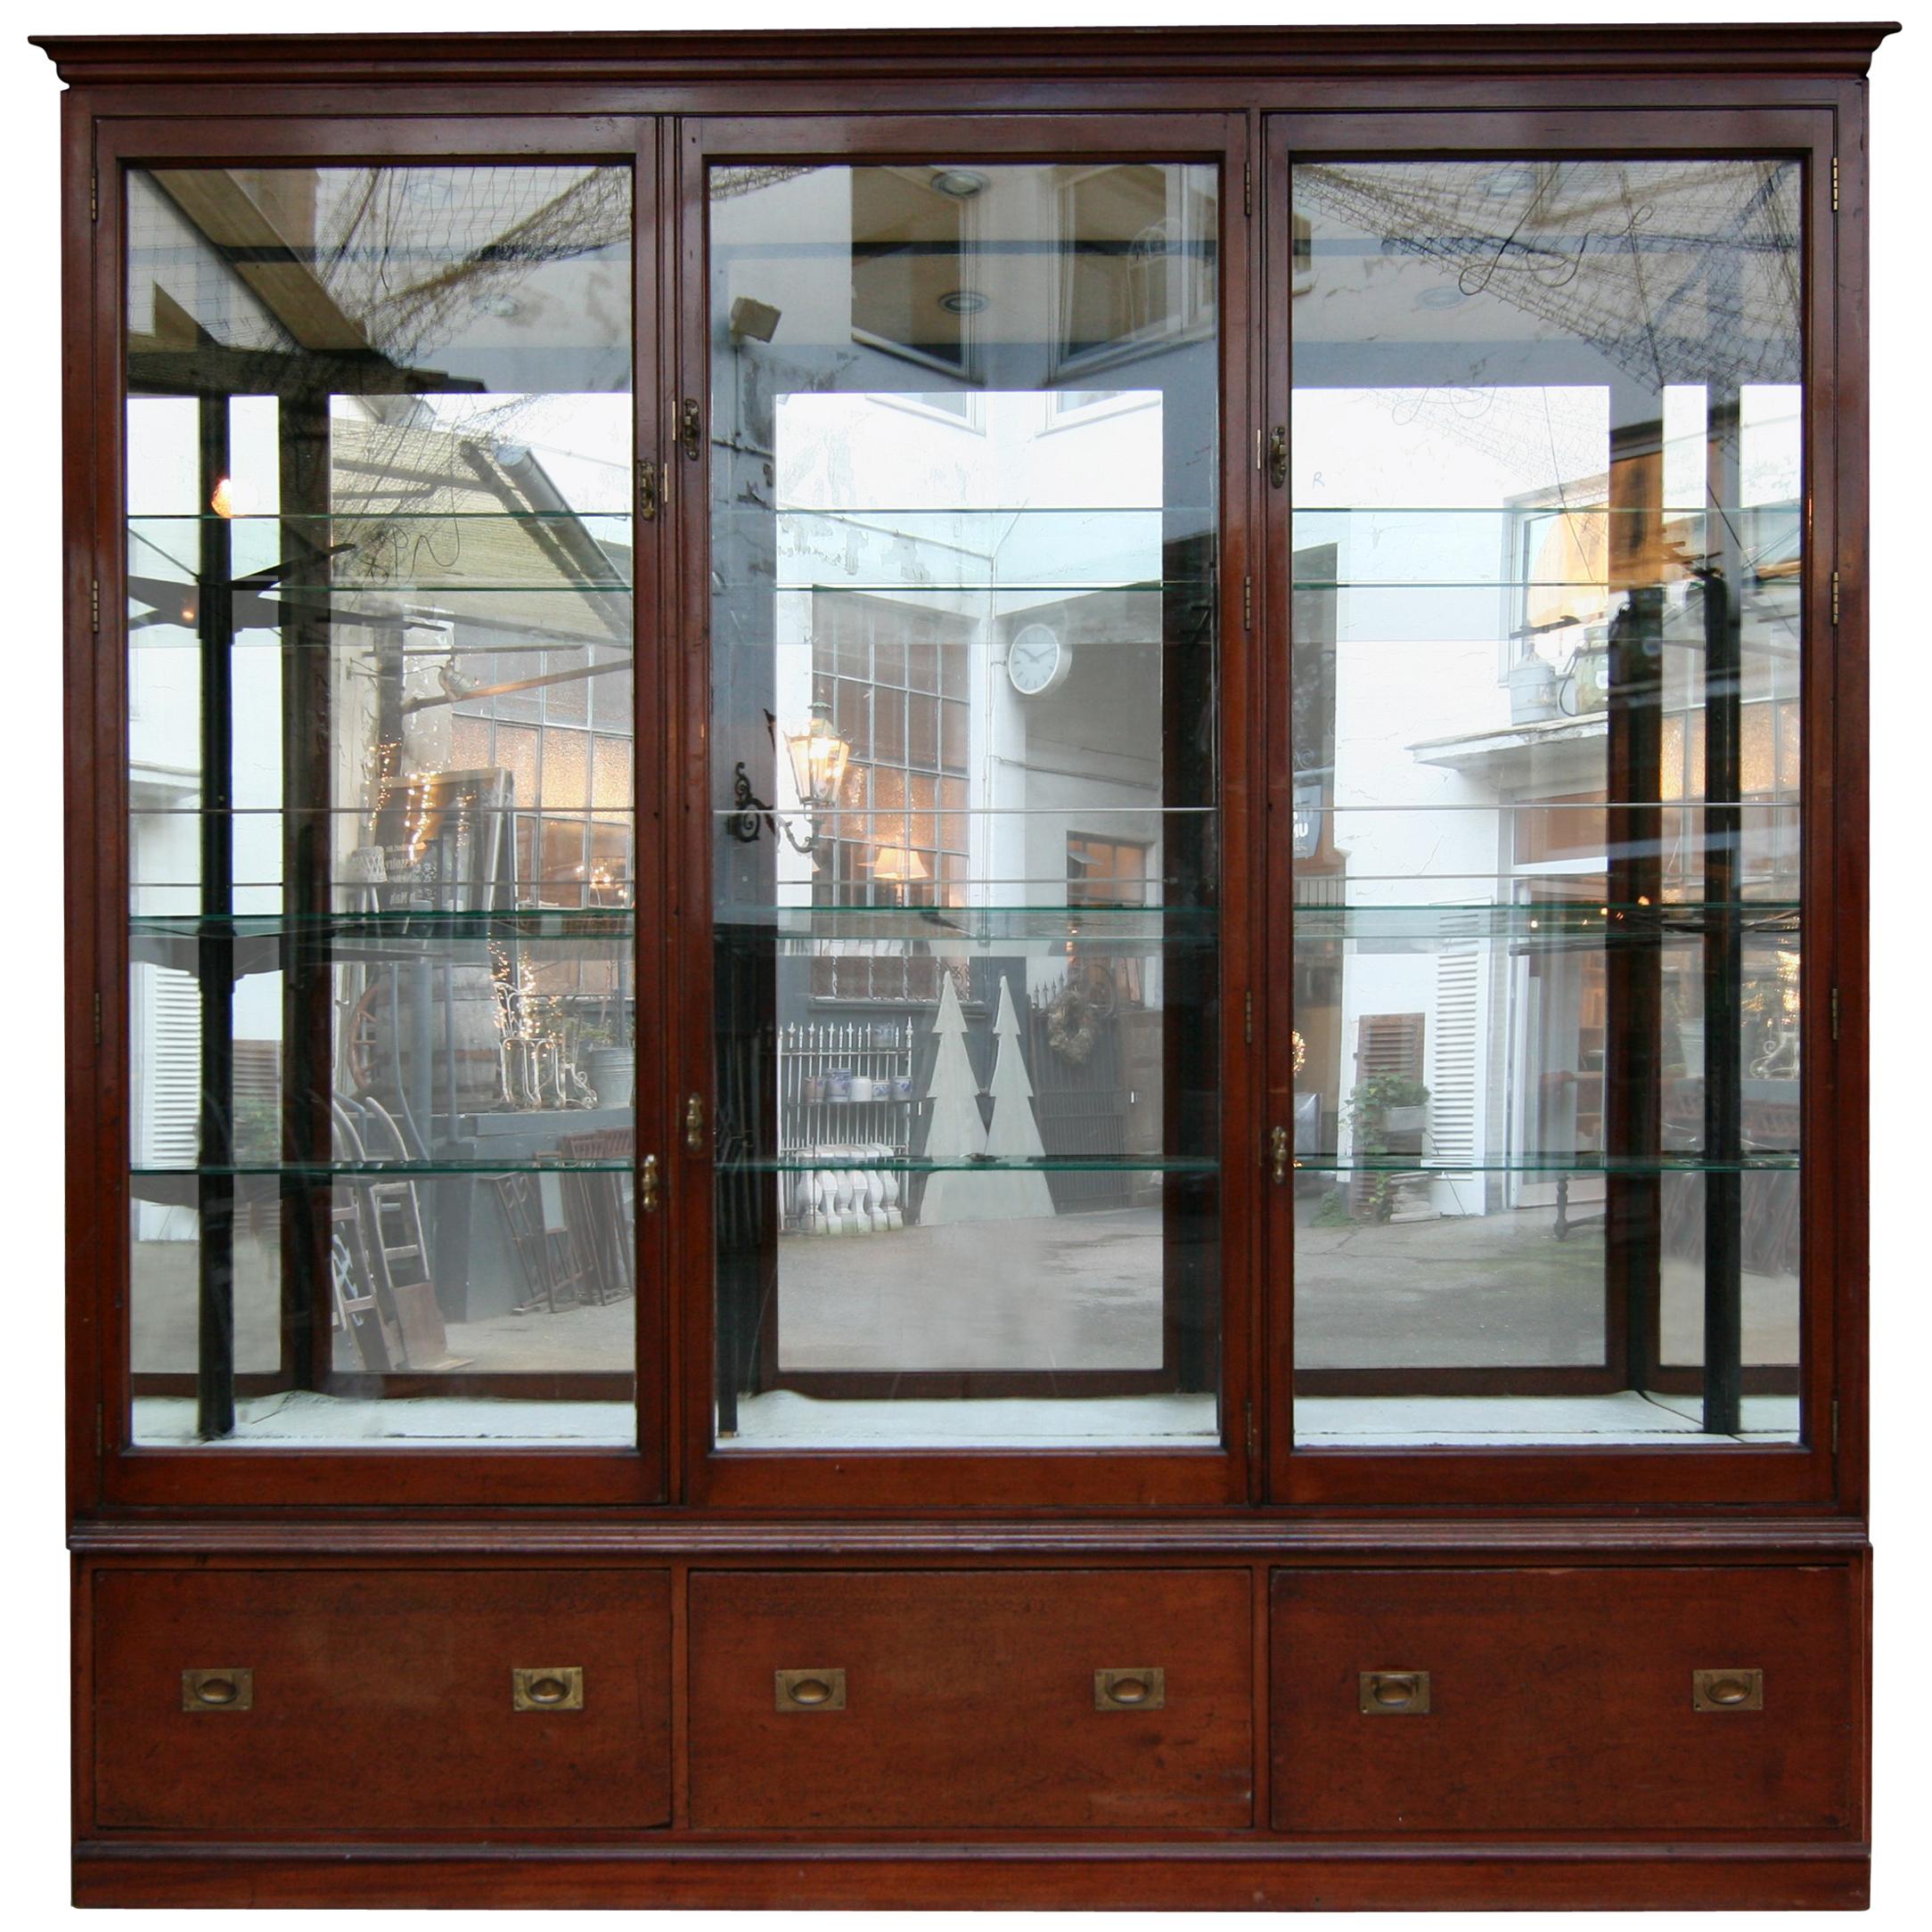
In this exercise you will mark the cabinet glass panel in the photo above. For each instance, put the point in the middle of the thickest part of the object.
(381, 808)
(963, 447)
(1547, 477)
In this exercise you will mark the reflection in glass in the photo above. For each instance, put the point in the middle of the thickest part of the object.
(1547, 473)
(382, 854)
(963, 449)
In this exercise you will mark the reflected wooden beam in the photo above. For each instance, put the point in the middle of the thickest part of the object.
(275, 267)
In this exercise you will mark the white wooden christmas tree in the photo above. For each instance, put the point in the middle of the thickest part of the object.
(1014, 1194)
(954, 1129)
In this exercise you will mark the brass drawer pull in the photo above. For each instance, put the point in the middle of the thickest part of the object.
(549, 1687)
(1395, 1694)
(217, 1690)
(1727, 1690)
(1144, 1688)
(818, 1690)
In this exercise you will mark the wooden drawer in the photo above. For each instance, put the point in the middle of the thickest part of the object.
(969, 1700)
(380, 1700)
(1563, 1700)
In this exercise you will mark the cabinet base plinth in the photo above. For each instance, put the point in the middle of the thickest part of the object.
(1221, 1876)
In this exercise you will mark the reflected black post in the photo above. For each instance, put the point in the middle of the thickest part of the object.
(1634, 824)
(1190, 1034)
(308, 980)
(214, 1378)
(1723, 939)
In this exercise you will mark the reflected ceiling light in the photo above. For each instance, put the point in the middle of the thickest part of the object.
(963, 301)
(222, 502)
(961, 182)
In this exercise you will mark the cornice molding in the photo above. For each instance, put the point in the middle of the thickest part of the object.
(1030, 54)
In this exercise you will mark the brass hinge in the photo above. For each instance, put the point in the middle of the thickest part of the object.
(1248, 603)
(1247, 188)
(94, 197)
(1247, 1022)
(1834, 183)
(1834, 1013)
(1254, 1438)
(647, 490)
(1834, 599)
(94, 607)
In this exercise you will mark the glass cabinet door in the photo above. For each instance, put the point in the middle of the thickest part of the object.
(380, 828)
(1545, 461)
(965, 840)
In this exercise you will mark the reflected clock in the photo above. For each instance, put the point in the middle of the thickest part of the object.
(1038, 660)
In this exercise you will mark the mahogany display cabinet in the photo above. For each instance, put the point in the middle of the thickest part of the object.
(967, 968)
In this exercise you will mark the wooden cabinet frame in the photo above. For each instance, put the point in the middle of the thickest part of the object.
(1252, 103)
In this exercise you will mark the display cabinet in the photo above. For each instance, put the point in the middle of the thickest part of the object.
(966, 931)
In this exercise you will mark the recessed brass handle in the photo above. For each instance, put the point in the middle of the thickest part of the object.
(649, 1195)
(228, 1690)
(1142, 1687)
(1727, 1690)
(694, 1124)
(690, 427)
(1395, 1694)
(549, 1687)
(1278, 1153)
(1278, 455)
(819, 1690)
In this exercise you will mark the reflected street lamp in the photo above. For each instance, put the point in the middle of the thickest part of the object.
(819, 757)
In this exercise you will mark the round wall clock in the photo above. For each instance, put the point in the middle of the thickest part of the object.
(1038, 660)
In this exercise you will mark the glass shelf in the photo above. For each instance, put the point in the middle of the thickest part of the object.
(1102, 926)
(243, 519)
(1542, 920)
(380, 1170)
(766, 582)
(598, 922)
(1426, 1165)
(832, 1160)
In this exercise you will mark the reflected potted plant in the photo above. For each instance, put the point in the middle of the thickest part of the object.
(1386, 1103)
(608, 1054)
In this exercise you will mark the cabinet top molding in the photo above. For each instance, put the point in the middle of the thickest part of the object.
(1033, 56)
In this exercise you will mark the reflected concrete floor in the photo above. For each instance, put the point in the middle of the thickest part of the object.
(165, 1299)
(1497, 1289)
(1079, 1291)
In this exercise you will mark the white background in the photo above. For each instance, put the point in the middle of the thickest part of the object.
(33, 1607)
